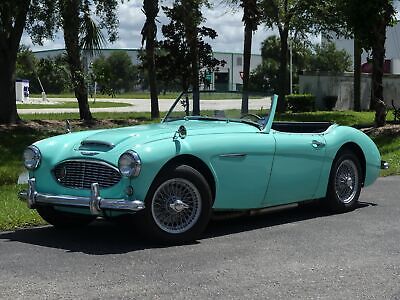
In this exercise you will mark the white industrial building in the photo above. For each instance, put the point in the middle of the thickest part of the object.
(226, 78)
(392, 47)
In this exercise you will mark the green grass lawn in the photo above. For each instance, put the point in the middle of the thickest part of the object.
(14, 214)
(99, 104)
(389, 147)
(348, 118)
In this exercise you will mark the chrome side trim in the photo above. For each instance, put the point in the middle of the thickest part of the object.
(95, 202)
(233, 155)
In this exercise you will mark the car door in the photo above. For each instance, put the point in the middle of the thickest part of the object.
(242, 167)
(296, 168)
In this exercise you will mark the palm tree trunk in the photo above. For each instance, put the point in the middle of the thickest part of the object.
(248, 35)
(149, 32)
(283, 72)
(71, 24)
(378, 60)
(357, 74)
(195, 75)
(150, 57)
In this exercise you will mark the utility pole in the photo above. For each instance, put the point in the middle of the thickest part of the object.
(290, 66)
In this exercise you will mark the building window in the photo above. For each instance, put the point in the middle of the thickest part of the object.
(239, 61)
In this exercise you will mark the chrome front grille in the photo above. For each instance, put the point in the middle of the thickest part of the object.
(82, 173)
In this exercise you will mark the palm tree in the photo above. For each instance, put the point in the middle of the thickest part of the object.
(71, 22)
(81, 32)
(251, 20)
(149, 32)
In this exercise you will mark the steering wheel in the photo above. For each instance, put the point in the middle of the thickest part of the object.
(258, 118)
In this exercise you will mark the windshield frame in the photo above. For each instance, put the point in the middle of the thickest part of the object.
(166, 118)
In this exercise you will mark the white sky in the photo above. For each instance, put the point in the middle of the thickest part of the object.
(226, 20)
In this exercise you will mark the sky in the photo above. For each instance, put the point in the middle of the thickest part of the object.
(226, 20)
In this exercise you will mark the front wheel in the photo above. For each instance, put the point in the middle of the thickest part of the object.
(178, 205)
(344, 182)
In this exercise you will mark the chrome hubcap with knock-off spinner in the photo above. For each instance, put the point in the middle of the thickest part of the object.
(176, 205)
(346, 181)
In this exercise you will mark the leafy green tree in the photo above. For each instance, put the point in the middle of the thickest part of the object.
(149, 34)
(366, 22)
(37, 18)
(116, 73)
(265, 77)
(306, 57)
(26, 66)
(54, 75)
(327, 58)
(174, 59)
(52, 71)
(290, 17)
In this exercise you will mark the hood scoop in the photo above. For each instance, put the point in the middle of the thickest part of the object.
(106, 140)
(96, 145)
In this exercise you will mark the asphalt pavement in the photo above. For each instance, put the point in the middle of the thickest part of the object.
(297, 253)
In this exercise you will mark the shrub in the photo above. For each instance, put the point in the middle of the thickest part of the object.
(300, 102)
(330, 102)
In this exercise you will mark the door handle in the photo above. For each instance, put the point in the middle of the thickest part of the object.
(317, 144)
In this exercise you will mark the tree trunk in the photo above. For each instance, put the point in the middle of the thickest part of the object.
(283, 72)
(150, 57)
(149, 32)
(8, 111)
(378, 60)
(11, 28)
(71, 25)
(248, 35)
(195, 75)
(357, 74)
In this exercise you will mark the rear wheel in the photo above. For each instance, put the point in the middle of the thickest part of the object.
(344, 182)
(63, 220)
(178, 205)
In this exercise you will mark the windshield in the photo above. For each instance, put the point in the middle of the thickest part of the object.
(217, 106)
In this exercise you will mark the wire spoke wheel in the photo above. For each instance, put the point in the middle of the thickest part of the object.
(176, 205)
(346, 181)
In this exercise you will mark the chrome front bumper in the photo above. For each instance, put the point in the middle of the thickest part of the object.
(95, 203)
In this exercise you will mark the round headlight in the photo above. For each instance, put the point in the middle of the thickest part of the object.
(32, 157)
(129, 164)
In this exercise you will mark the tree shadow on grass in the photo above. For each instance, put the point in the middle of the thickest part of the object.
(102, 237)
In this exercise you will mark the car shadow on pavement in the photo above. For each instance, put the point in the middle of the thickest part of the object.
(102, 237)
(247, 222)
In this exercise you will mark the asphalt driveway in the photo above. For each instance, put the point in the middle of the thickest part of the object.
(291, 254)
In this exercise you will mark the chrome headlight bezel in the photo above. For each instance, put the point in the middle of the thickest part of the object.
(129, 164)
(32, 157)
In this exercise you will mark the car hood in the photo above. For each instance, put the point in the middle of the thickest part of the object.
(118, 140)
(143, 134)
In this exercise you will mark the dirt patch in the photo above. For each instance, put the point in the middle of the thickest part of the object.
(60, 126)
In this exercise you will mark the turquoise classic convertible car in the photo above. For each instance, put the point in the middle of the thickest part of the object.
(174, 174)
